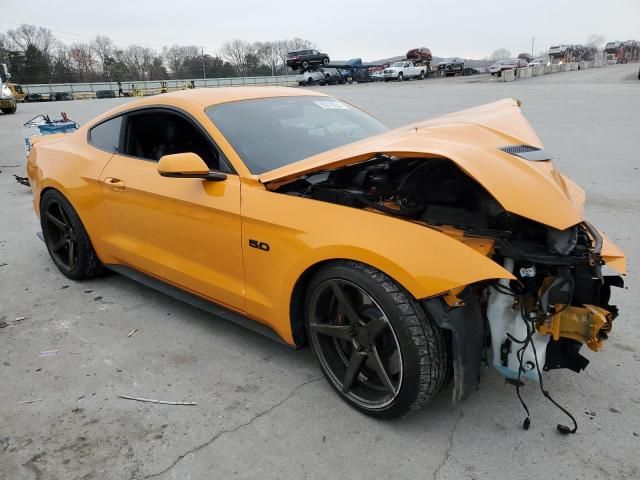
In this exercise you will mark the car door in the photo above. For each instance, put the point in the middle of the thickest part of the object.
(186, 231)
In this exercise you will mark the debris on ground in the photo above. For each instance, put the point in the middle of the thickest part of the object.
(3, 324)
(22, 180)
(48, 353)
(133, 332)
(149, 400)
(30, 401)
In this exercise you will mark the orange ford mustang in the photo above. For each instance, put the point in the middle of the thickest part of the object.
(394, 253)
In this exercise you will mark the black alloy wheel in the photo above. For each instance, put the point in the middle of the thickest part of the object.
(375, 345)
(66, 238)
(355, 343)
(62, 239)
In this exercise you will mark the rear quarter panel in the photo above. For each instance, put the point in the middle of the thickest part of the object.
(71, 166)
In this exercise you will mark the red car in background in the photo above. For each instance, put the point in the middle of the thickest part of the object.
(422, 54)
(507, 64)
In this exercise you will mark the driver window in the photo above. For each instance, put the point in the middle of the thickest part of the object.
(153, 134)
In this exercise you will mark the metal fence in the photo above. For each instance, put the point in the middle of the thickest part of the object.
(155, 86)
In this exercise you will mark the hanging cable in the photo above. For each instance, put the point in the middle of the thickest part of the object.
(530, 323)
(564, 429)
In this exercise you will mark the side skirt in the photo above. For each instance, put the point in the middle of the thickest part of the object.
(197, 302)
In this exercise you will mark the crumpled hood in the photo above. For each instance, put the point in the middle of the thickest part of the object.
(471, 139)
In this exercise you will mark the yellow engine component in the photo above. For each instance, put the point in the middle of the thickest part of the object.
(588, 324)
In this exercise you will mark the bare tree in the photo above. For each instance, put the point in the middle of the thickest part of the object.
(235, 52)
(103, 48)
(269, 54)
(282, 47)
(26, 36)
(595, 41)
(61, 63)
(500, 54)
(177, 55)
(139, 61)
(42, 58)
(297, 43)
(82, 60)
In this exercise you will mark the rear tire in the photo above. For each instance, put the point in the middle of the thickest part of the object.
(66, 238)
(400, 77)
(374, 343)
(11, 110)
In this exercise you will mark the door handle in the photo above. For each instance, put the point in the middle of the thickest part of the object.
(114, 183)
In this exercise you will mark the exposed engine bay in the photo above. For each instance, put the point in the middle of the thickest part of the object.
(559, 299)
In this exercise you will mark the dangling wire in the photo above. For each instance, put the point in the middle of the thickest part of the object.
(561, 428)
(530, 319)
(520, 356)
(530, 323)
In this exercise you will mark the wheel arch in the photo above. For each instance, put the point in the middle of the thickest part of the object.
(37, 201)
(88, 208)
(296, 303)
(299, 292)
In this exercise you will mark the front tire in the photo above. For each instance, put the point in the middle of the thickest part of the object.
(66, 238)
(374, 343)
(400, 77)
(11, 110)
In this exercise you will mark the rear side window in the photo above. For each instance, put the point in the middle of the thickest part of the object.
(106, 136)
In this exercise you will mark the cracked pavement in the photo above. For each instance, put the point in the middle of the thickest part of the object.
(233, 430)
(263, 410)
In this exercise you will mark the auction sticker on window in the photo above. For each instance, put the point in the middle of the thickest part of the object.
(331, 104)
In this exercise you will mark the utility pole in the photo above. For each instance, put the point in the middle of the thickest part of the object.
(533, 39)
(204, 71)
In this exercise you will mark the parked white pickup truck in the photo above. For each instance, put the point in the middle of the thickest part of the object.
(403, 70)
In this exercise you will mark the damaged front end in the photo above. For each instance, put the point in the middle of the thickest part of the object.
(481, 176)
(558, 299)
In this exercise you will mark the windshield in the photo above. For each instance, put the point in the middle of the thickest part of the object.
(397, 64)
(268, 133)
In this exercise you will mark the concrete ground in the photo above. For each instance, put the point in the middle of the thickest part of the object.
(264, 411)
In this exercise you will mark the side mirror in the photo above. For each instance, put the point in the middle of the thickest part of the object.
(187, 165)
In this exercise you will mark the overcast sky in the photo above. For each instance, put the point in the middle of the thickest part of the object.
(342, 28)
